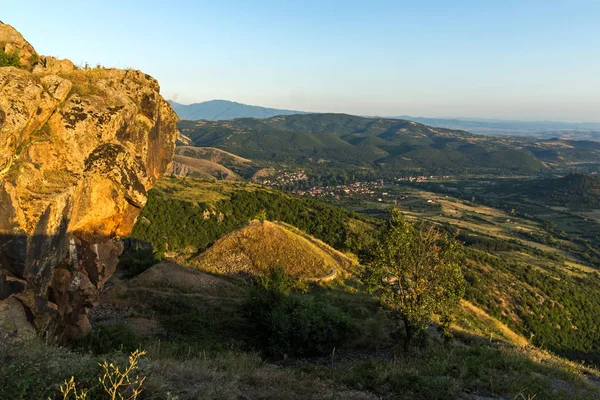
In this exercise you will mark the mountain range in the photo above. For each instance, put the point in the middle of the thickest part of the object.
(216, 110)
(225, 289)
(538, 129)
(390, 146)
(224, 110)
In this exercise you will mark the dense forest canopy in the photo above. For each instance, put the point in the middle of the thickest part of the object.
(573, 191)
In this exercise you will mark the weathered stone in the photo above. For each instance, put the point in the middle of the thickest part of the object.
(13, 319)
(58, 87)
(79, 149)
(12, 40)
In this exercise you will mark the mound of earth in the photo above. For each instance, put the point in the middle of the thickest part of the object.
(171, 277)
(261, 245)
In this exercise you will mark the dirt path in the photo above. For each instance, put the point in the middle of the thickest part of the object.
(331, 276)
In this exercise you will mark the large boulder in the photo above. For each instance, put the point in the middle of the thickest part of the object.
(79, 149)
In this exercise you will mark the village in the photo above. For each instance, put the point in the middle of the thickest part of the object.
(370, 189)
(373, 190)
(281, 178)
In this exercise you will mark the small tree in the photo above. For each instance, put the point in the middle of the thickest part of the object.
(416, 272)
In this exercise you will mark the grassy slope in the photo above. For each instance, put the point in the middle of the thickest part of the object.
(205, 169)
(194, 353)
(214, 162)
(530, 266)
(212, 154)
(260, 245)
(191, 214)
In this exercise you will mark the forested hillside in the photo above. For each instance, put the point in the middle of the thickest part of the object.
(534, 291)
(573, 191)
(191, 214)
(339, 143)
(338, 140)
(534, 262)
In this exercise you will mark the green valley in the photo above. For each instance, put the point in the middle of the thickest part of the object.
(152, 250)
(522, 269)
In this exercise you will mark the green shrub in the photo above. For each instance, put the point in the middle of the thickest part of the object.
(107, 338)
(136, 263)
(293, 324)
(275, 283)
(33, 369)
(193, 322)
(9, 59)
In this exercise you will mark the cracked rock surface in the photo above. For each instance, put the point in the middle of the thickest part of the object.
(79, 149)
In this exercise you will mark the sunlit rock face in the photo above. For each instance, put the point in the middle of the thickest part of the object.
(79, 149)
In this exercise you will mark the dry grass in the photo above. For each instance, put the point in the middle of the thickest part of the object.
(473, 319)
(37, 369)
(85, 81)
(180, 189)
(238, 376)
(207, 169)
(168, 276)
(261, 245)
(201, 191)
(263, 173)
(212, 154)
(453, 207)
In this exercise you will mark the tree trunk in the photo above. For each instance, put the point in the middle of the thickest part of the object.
(409, 334)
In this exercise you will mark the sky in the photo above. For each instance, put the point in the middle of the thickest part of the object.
(524, 59)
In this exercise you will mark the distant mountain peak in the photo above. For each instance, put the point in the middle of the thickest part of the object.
(218, 109)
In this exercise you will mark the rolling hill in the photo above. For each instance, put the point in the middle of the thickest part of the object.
(199, 168)
(575, 191)
(225, 110)
(261, 245)
(386, 146)
(188, 215)
(338, 140)
(538, 129)
(210, 163)
(212, 154)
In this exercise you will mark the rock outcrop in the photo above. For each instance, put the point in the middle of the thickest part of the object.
(79, 149)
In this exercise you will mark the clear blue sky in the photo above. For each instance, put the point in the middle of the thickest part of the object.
(521, 59)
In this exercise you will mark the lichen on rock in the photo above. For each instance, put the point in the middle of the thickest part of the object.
(79, 149)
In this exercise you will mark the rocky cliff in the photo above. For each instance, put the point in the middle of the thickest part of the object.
(79, 149)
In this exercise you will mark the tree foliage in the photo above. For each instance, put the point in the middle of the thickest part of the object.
(285, 323)
(416, 272)
(336, 145)
(178, 224)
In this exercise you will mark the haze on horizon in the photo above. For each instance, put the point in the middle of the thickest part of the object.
(529, 60)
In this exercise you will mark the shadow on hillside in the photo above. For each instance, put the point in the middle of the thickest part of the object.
(202, 307)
